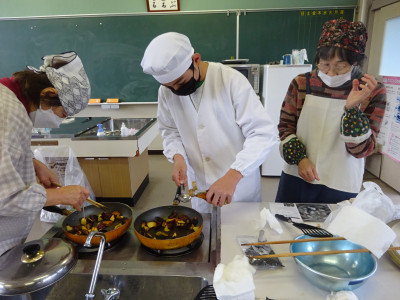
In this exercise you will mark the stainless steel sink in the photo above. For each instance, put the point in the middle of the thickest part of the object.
(112, 128)
(75, 286)
(137, 273)
(135, 287)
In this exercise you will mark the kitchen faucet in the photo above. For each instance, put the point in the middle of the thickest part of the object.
(110, 293)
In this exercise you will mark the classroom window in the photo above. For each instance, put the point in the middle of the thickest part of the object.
(390, 61)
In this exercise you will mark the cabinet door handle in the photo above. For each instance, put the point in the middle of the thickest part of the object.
(88, 158)
(103, 158)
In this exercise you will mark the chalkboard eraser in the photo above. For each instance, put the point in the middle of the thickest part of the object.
(97, 100)
(112, 100)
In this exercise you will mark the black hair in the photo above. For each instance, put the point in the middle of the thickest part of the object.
(327, 53)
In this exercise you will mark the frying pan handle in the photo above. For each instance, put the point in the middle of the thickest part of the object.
(176, 200)
(57, 210)
(283, 218)
(178, 191)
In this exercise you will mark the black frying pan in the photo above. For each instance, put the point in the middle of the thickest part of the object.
(111, 234)
(164, 212)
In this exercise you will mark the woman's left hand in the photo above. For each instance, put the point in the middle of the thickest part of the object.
(361, 91)
(45, 175)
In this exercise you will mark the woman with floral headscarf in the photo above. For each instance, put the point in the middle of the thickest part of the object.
(35, 98)
(329, 120)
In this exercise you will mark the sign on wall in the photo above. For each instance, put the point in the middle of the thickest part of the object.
(162, 5)
(389, 135)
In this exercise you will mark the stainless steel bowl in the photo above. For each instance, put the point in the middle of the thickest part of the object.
(335, 272)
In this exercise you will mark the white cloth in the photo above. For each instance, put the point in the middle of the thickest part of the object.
(235, 280)
(231, 129)
(318, 128)
(361, 228)
(21, 198)
(167, 57)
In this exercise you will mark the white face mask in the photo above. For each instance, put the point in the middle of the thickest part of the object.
(337, 80)
(45, 118)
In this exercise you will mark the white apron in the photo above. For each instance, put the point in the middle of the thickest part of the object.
(319, 129)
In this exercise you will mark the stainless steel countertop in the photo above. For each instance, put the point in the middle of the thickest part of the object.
(129, 257)
(86, 129)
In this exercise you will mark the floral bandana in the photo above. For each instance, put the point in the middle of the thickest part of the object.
(344, 34)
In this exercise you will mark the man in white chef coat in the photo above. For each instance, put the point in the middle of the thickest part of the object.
(215, 129)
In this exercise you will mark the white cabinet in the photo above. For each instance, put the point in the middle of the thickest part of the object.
(276, 80)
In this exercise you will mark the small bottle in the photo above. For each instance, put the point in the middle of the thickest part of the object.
(124, 130)
(194, 192)
(199, 194)
(100, 131)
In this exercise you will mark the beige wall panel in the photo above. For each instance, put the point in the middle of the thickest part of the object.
(390, 170)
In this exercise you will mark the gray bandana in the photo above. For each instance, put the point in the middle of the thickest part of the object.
(70, 80)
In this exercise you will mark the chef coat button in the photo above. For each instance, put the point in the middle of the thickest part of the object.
(207, 159)
(201, 126)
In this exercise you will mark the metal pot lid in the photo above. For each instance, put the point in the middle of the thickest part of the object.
(35, 265)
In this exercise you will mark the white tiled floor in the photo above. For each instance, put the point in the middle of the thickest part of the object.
(161, 189)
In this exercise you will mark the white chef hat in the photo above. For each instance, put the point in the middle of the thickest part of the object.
(70, 80)
(167, 57)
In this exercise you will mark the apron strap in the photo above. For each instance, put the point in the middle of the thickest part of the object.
(308, 90)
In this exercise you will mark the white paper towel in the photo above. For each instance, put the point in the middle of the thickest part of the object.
(361, 228)
(273, 222)
(342, 295)
(235, 280)
(267, 217)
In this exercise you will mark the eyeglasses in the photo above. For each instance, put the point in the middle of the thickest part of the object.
(338, 67)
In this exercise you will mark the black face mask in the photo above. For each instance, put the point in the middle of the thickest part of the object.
(189, 87)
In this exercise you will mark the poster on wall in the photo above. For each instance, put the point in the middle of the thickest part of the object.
(389, 136)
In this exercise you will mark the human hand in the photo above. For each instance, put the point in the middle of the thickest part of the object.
(44, 174)
(73, 195)
(221, 191)
(307, 170)
(361, 91)
(179, 173)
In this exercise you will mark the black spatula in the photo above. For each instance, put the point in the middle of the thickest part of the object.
(309, 230)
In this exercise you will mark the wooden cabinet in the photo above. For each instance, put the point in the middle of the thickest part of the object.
(115, 177)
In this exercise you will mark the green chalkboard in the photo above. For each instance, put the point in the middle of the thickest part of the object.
(266, 36)
(112, 47)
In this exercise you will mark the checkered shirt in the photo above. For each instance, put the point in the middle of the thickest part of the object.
(21, 198)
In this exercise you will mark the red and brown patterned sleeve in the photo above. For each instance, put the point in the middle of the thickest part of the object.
(374, 109)
(291, 107)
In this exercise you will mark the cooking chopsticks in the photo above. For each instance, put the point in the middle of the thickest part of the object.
(295, 241)
(317, 253)
(307, 253)
(97, 204)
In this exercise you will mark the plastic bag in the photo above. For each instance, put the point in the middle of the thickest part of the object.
(375, 202)
(63, 162)
(258, 263)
